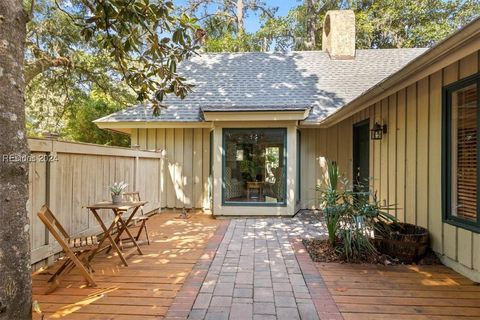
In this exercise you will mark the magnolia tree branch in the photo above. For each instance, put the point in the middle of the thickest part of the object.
(34, 68)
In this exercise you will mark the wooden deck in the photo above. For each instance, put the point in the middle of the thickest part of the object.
(401, 292)
(143, 290)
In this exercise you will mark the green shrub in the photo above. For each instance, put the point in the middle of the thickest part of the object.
(351, 216)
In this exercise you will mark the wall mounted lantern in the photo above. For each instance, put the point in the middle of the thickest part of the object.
(378, 130)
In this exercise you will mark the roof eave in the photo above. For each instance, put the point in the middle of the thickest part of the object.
(127, 125)
(256, 115)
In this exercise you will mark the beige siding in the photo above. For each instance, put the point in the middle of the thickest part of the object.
(161, 145)
(197, 168)
(376, 150)
(410, 156)
(476, 251)
(206, 165)
(310, 163)
(392, 150)
(384, 146)
(188, 178)
(401, 144)
(179, 165)
(187, 165)
(170, 168)
(422, 152)
(434, 162)
(405, 166)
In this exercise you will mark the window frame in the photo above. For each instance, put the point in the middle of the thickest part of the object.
(447, 153)
(254, 204)
(298, 137)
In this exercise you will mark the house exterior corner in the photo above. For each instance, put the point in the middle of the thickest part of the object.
(413, 166)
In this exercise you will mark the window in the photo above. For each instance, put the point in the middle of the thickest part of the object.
(254, 166)
(461, 108)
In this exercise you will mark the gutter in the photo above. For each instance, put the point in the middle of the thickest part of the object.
(408, 74)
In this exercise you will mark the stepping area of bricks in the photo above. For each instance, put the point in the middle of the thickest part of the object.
(260, 270)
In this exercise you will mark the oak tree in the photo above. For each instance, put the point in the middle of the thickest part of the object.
(145, 40)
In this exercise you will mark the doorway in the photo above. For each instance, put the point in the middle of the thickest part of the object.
(361, 156)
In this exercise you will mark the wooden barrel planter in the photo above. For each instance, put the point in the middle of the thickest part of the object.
(404, 241)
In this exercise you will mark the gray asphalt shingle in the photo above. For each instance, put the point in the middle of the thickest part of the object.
(274, 81)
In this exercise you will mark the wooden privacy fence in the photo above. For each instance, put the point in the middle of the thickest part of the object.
(68, 176)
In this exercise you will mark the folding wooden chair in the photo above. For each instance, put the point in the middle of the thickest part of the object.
(142, 219)
(77, 250)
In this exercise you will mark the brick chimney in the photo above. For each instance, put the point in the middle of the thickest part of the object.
(339, 34)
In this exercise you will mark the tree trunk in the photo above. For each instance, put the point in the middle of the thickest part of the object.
(311, 25)
(265, 44)
(15, 278)
(240, 8)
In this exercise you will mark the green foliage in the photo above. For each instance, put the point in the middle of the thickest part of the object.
(54, 95)
(61, 67)
(332, 210)
(126, 50)
(224, 26)
(230, 43)
(292, 32)
(146, 39)
(350, 216)
(380, 24)
(80, 126)
(250, 168)
(407, 24)
(117, 188)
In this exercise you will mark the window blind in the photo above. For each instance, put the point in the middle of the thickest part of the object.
(465, 152)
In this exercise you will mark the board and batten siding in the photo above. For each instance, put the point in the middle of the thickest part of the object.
(405, 166)
(186, 171)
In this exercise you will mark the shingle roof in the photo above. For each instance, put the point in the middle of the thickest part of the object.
(273, 81)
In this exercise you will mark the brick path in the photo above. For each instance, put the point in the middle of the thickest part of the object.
(257, 274)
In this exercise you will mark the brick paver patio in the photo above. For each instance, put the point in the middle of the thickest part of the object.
(256, 273)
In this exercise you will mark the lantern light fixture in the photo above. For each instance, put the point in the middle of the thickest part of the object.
(378, 130)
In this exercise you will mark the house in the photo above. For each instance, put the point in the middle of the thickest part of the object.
(254, 136)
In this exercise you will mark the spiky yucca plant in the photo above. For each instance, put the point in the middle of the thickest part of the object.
(350, 215)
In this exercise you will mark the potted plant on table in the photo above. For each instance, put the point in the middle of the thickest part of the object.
(249, 169)
(116, 191)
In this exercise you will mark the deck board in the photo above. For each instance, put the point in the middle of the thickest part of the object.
(400, 292)
(143, 290)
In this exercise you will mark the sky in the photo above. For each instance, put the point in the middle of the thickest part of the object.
(252, 22)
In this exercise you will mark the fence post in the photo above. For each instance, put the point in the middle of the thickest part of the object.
(51, 192)
(136, 178)
(163, 153)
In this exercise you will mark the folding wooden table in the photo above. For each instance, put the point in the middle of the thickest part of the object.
(118, 210)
